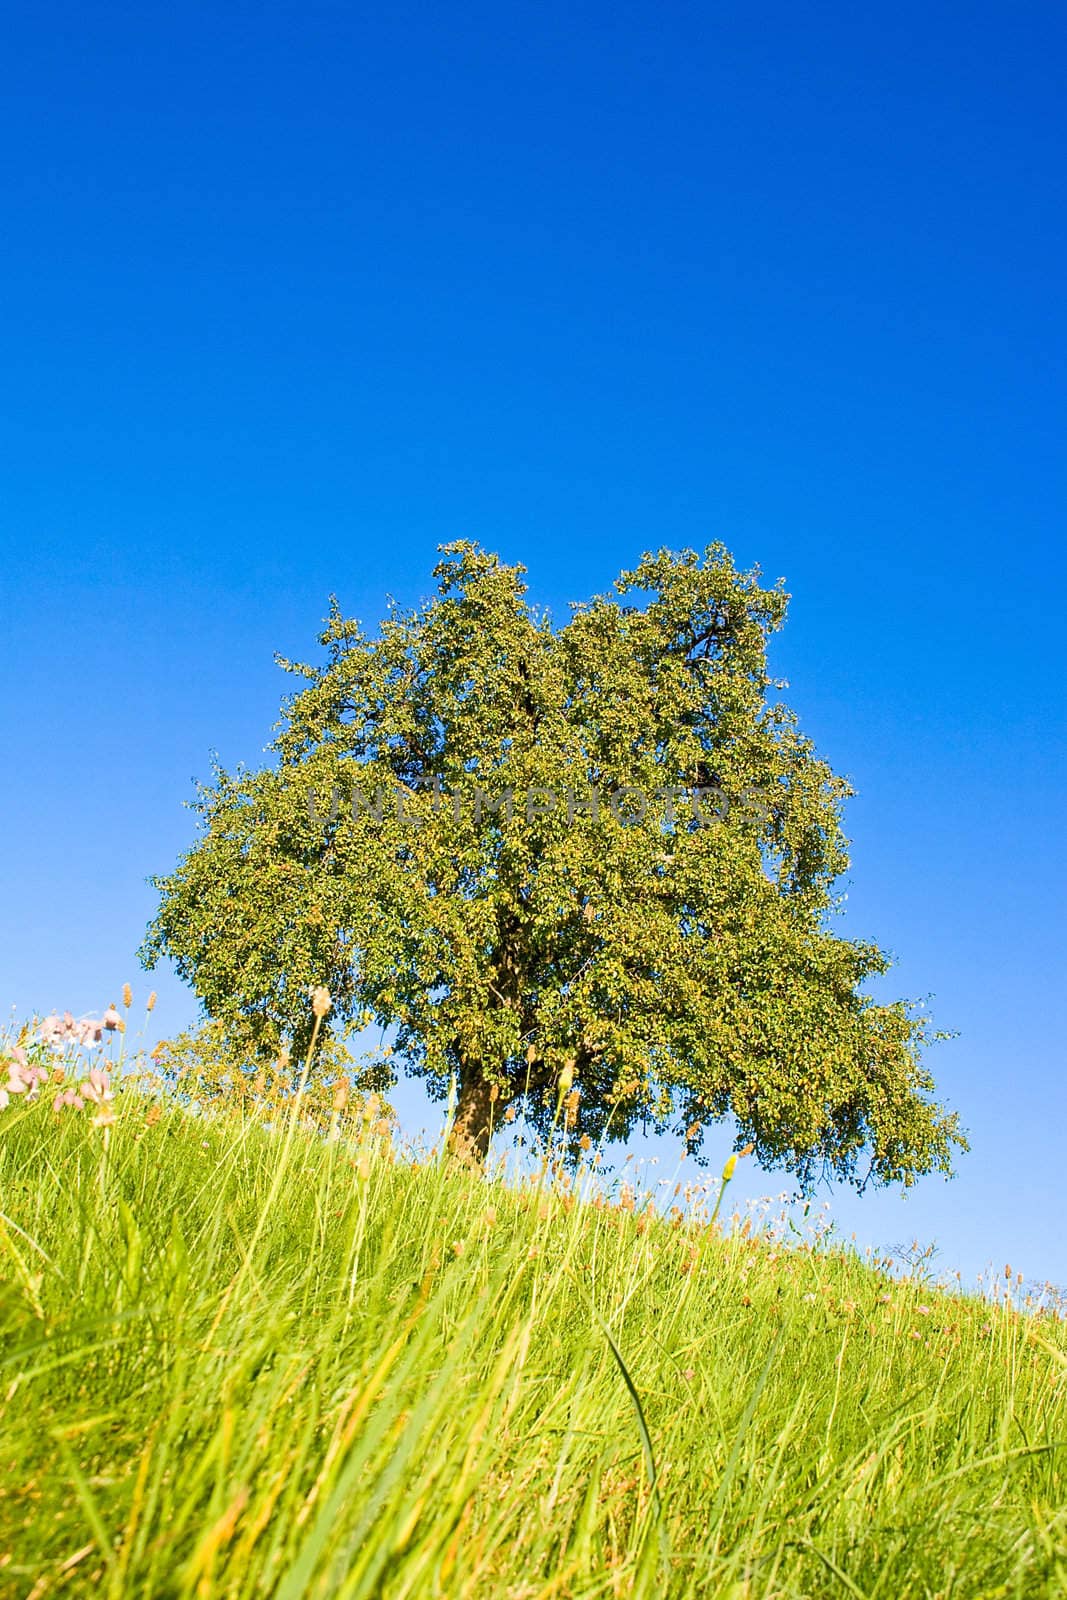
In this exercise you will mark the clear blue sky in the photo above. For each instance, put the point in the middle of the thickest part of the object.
(292, 294)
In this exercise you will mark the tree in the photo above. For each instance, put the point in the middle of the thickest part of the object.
(598, 851)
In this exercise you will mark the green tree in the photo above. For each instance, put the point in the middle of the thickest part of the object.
(597, 849)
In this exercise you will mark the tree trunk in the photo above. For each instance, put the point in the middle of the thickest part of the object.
(469, 1137)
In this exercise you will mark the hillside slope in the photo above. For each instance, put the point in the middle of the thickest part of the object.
(237, 1364)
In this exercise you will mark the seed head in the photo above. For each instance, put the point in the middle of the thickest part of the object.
(566, 1077)
(320, 1001)
(150, 1003)
(127, 996)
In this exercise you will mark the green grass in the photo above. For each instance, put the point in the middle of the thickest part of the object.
(235, 1365)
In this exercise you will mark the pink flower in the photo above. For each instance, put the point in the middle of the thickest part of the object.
(22, 1075)
(111, 1019)
(97, 1088)
(52, 1031)
(60, 1031)
(69, 1097)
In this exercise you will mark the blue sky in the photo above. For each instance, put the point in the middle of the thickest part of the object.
(293, 294)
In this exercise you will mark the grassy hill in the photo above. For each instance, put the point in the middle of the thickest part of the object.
(241, 1364)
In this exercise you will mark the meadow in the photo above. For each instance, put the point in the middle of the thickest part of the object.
(240, 1360)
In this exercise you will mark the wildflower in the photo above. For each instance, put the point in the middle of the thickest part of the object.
(320, 1001)
(924, 1311)
(97, 1087)
(105, 1117)
(23, 1076)
(50, 1031)
(68, 1097)
(17, 1061)
(111, 1019)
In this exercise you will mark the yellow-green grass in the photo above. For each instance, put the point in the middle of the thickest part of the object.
(237, 1363)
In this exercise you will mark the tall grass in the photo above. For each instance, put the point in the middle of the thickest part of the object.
(241, 1363)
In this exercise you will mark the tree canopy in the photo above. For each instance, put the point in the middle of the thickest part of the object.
(597, 857)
